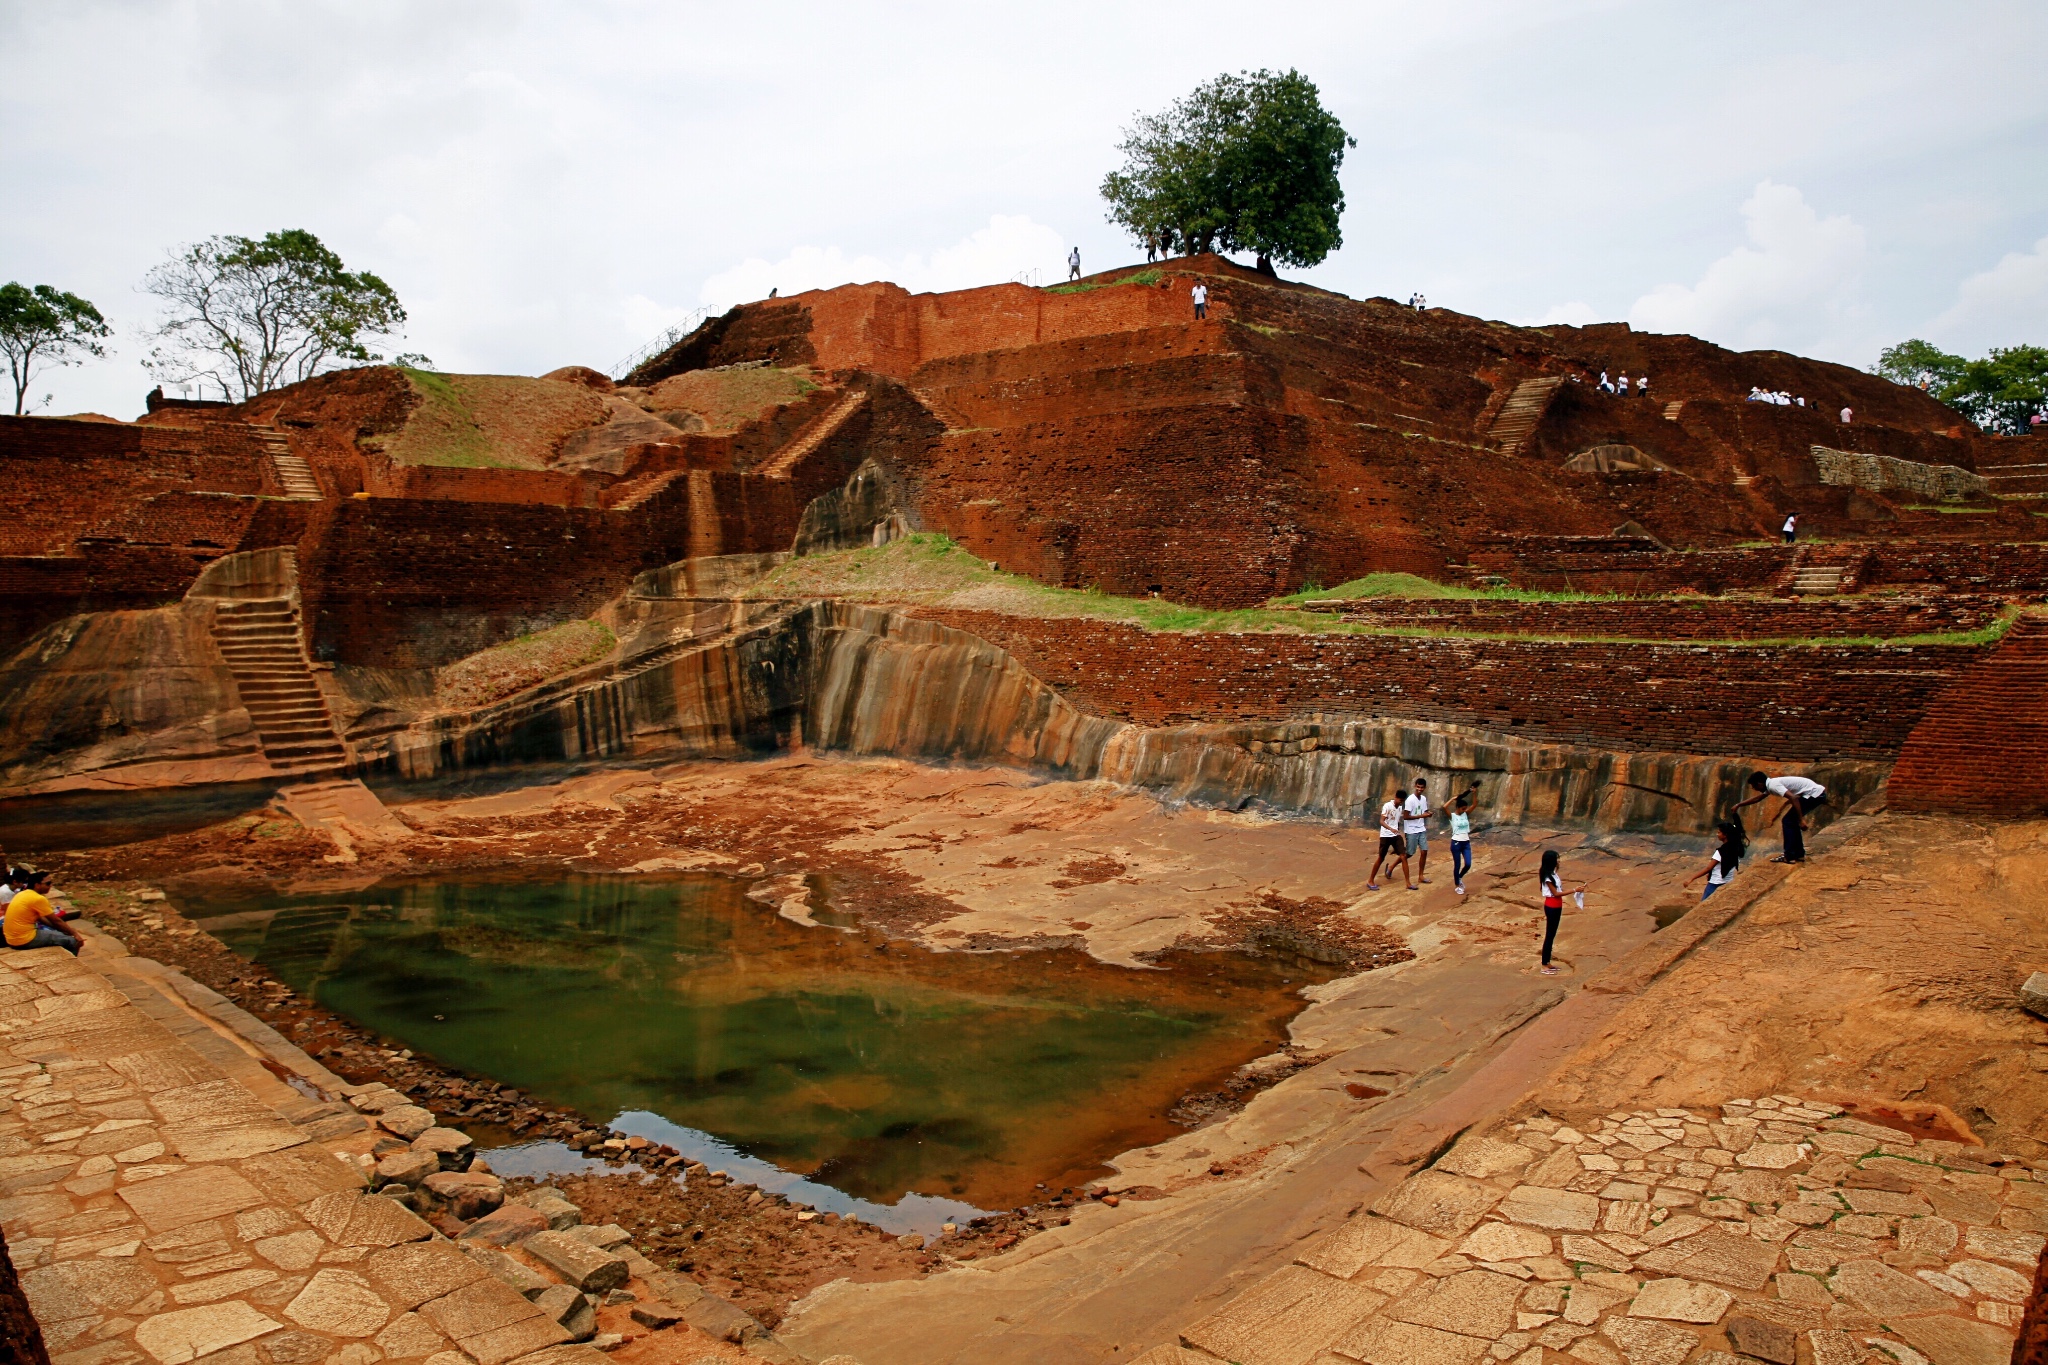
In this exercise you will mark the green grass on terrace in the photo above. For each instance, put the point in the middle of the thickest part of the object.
(931, 570)
(1083, 286)
(1414, 585)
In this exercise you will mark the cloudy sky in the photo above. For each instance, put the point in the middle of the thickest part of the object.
(548, 183)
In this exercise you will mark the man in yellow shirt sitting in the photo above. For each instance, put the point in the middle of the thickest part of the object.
(32, 922)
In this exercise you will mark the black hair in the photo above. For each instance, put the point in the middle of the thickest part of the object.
(1734, 844)
(1549, 867)
(1757, 779)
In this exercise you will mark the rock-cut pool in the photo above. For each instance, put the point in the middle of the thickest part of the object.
(888, 1073)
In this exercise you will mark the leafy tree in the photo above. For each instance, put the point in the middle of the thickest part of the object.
(46, 327)
(1918, 364)
(253, 315)
(2002, 392)
(1245, 163)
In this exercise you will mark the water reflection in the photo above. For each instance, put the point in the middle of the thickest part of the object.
(865, 1066)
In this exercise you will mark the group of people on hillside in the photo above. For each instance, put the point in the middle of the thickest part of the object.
(29, 918)
(1618, 387)
(1404, 841)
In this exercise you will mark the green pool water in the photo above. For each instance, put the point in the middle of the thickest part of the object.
(867, 1066)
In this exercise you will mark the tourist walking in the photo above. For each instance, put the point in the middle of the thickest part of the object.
(1460, 819)
(1791, 528)
(1074, 264)
(1392, 845)
(1801, 795)
(1848, 415)
(1734, 843)
(31, 921)
(1151, 247)
(1200, 294)
(1415, 829)
(1551, 882)
(1642, 386)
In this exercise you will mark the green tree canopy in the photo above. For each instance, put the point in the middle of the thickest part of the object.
(43, 328)
(1245, 163)
(2002, 392)
(252, 315)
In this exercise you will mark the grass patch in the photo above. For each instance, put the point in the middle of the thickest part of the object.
(1146, 277)
(516, 665)
(1948, 509)
(929, 569)
(1415, 586)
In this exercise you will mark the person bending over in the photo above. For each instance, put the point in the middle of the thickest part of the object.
(1801, 795)
(31, 921)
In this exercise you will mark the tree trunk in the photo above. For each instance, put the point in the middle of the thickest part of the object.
(1265, 266)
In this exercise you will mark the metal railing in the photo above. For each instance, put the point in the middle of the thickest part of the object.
(689, 324)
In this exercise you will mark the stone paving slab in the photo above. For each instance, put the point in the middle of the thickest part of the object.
(162, 1206)
(1772, 1229)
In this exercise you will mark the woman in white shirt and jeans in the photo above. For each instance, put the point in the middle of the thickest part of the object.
(1800, 795)
(1726, 858)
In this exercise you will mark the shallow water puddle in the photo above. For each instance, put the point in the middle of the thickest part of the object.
(874, 1068)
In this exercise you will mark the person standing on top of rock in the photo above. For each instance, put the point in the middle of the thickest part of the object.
(1415, 828)
(1074, 264)
(1642, 386)
(1551, 882)
(1791, 528)
(1848, 414)
(1391, 844)
(1621, 384)
(31, 921)
(1151, 247)
(1800, 795)
(1200, 294)
(1606, 384)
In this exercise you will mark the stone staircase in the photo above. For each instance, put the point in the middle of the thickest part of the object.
(1824, 571)
(2009, 479)
(790, 456)
(636, 492)
(1672, 409)
(259, 638)
(292, 470)
(1520, 414)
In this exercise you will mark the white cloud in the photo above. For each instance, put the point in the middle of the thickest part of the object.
(1795, 286)
(2006, 305)
(1006, 248)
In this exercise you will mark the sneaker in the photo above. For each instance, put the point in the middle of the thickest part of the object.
(1550, 971)
(1459, 889)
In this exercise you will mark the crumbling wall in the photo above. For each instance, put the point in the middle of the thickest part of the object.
(1882, 473)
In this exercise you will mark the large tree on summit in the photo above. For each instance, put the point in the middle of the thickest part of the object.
(1245, 163)
(2003, 392)
(45, 327)
(251, 315)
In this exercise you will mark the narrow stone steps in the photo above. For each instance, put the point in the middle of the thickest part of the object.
(293, 472)
(819, 432)
(1518, 416)
(645, 488)
(1671, 410)
(260, 643)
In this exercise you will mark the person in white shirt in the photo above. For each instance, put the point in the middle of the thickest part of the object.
(1621, 384)
(1642, 386)
(1791, 528)
(1415, 829)
(1801, 795)
(1459, 817)
(1606, 384)
(1847, 414)
(1074, 264)
(1726, 858)
(1391, 845)
(1200, 294)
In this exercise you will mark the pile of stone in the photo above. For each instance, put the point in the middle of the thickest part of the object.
(1778, 1229)
(536, 1241)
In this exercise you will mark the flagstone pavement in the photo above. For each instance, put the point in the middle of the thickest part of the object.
(1776, 1229)
(158, 1210)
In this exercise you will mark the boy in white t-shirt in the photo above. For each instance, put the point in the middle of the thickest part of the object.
(1415, 828)
(1391, 845)
(1800, 795)
(1200, 294)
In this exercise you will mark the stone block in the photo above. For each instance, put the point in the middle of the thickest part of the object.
(1504, 1242)
(2022, 1249)
(517, 1274)
(1382, 1342)
(581, 1264)
(2034, 994)
(1651, 1343)
(608, 1235)
(453, 1149)
(1369, 1240)
(189, 1196)
(410, 1274)
(508, 1225)
(410, 1337)
(558, 1213)
(1763, 1340)
(1885, 1293)
(657, 1315)
(405, 1121)
(466, 1194)
(1294, 1309)
(176, 1338)
(340, 1303)
(407, 1168)
(352, 1219)
(569, 1308)
(1438, 1203)
(1562, 1210)
(1679, 1300)
(1484, 1158)
(1477, 1303)
(1957, 1341)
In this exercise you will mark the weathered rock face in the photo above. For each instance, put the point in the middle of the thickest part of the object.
(869, 681)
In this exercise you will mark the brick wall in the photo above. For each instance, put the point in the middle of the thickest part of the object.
(1795, 704)
(1705, 619)
(1983, 747)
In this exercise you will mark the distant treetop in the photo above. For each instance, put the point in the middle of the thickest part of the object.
(1245, 163)
(45, 327)
(2003, 392)
(252, 315)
